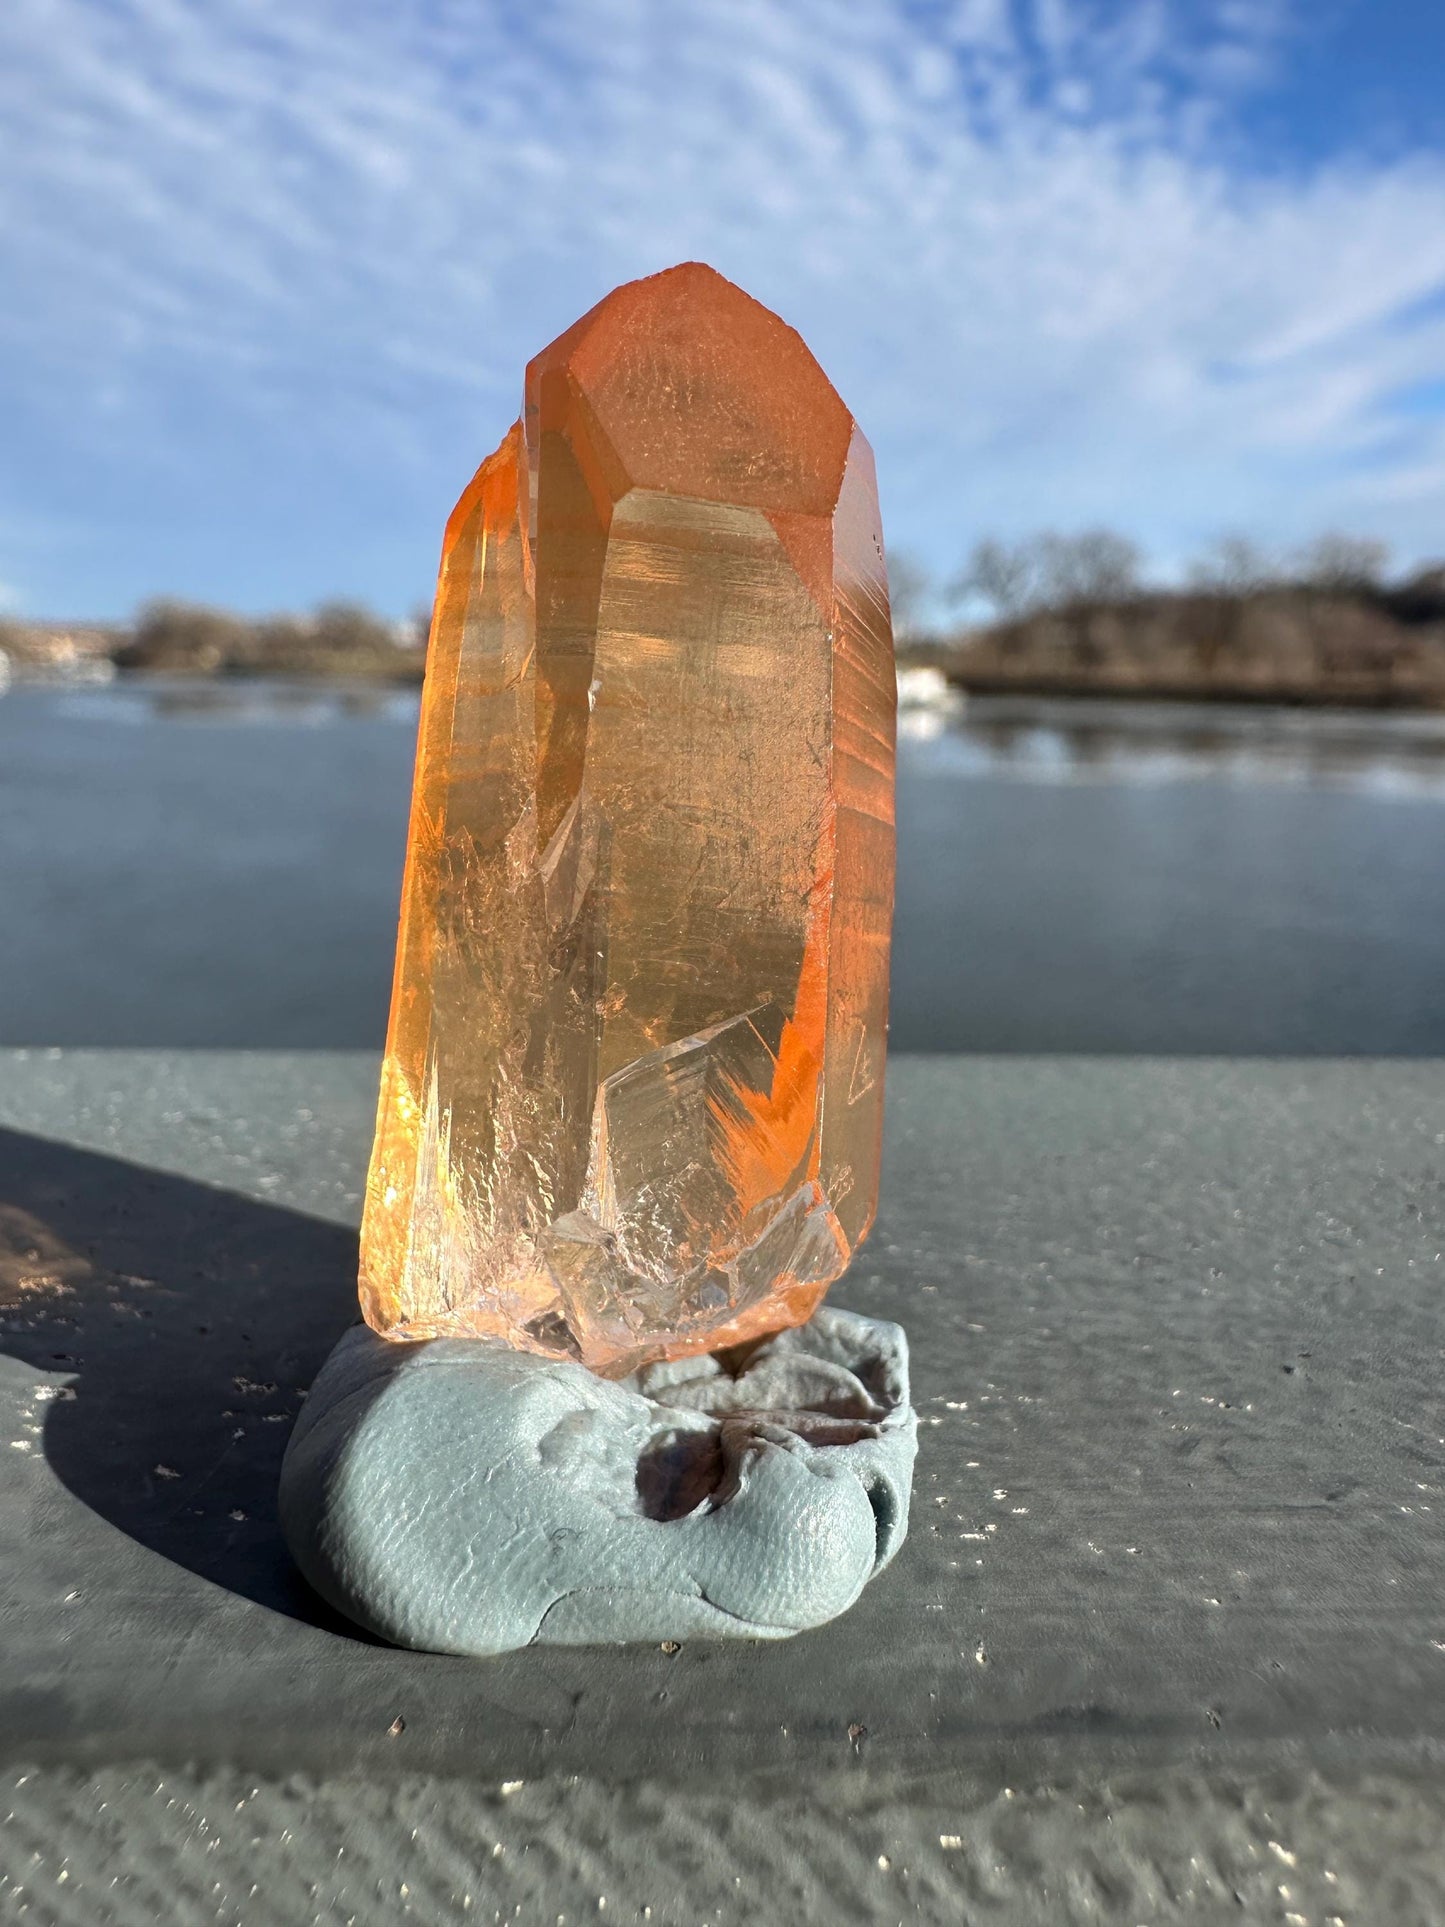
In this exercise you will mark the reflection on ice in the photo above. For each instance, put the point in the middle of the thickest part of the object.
(927, 703)
(148, 699)
(1144, 744)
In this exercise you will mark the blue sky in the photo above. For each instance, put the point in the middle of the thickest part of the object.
(270, 269)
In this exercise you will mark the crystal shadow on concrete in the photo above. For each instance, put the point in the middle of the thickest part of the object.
(460, 1496)
(177, 1324)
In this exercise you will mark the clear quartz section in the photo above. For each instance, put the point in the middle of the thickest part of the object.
(631, 1104)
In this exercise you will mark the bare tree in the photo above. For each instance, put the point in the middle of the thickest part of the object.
(184, 636)
(1004, 577)
(1234, 565)
(909, 587)
(1097, 565)
(1331, 568)
(418, 630)
(349, 628)
(280, 644)
(1343, 564)
(1231, 572)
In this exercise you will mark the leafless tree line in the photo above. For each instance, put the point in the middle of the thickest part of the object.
(338, 638)
(1053, 572)
(1074, 613)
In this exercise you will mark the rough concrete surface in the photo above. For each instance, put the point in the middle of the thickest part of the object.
(127, 1846)
(462, 1497)
(1166, 1641)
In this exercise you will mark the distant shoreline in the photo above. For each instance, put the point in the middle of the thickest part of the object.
(1291, 645)
(204, 691)
(1341, 693)
(1297, 645)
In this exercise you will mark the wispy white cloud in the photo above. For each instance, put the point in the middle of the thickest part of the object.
(1027, 239)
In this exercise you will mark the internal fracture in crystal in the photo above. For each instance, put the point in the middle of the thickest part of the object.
(632, 1097)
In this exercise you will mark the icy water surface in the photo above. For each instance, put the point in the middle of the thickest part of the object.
(221, 864)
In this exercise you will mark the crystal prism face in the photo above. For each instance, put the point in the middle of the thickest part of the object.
(632, 1099)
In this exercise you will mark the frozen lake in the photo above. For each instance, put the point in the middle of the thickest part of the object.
(219, 864)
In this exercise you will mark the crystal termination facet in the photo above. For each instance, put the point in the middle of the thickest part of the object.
(631, 1105)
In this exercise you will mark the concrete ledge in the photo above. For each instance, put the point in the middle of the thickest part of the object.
(1177, 1335)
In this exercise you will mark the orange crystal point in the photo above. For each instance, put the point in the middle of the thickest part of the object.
(632, 1099)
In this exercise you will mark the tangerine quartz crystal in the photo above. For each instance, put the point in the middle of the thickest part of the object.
(632, 1097)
